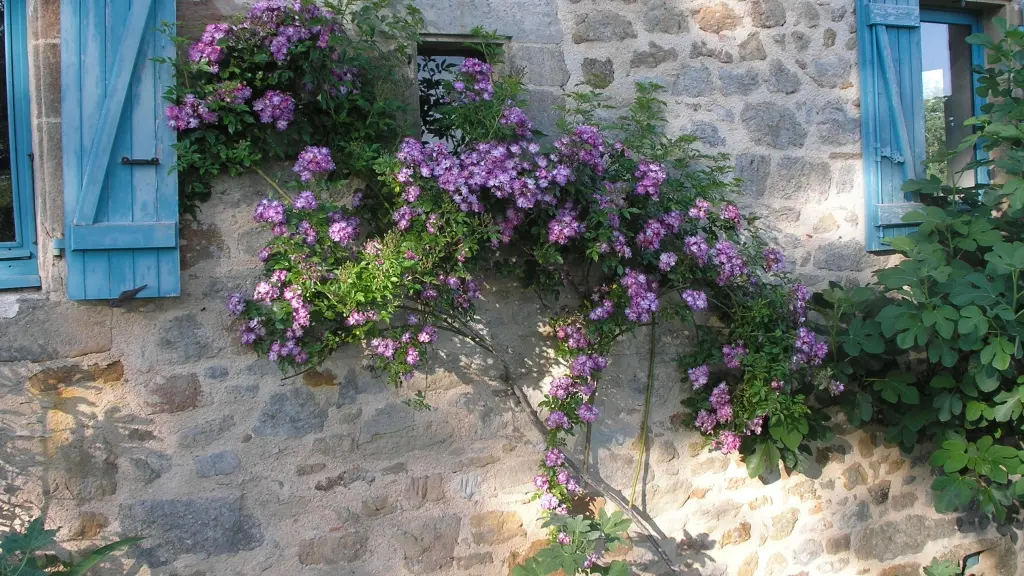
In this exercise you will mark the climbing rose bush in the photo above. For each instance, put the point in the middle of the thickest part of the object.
(634, 224)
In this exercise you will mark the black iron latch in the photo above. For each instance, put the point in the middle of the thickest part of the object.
(140, 161)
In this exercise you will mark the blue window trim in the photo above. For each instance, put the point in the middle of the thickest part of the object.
(972, 19)
(19, 266)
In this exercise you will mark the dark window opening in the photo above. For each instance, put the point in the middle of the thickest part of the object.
(437, 62)
(7, 208)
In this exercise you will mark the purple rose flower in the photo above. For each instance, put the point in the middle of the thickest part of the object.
(275, 107)
(666, 261)
(727, 442)
(557, 419)
(696, 247)
(235, 304)
(733, 355)
(602, 312)
(697, 300)
(560, 387)
(699, 376)
(705, 421)
(313, 161)
(564, 227)
(427, 335)
(554, 457)
(587, 412)
(269, 211)
(305, 200)
(650, 175)
(344, 231)
(721, 401)
(548, 501)
(517, 119)
(773, 259)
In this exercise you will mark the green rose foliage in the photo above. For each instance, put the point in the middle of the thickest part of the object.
(933, 347)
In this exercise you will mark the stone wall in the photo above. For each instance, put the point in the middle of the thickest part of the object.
(152, 420)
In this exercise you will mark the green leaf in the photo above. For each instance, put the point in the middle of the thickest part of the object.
(1010, 405)
(943, 380)
(953, 491)
(1005, 257)
(974, 410)
(618, 568)
(980, 39)
(93, 557)
(1014, 190)
(896, 318)
(949, 405)
(764, 457)
(898, 387)
(860, 409)
(987, 379)
(791, 437)
(946, 567)
(1017, 489)
(976, 288)
(862, 335)
(35, 537)
(955, 462)
(972, 321)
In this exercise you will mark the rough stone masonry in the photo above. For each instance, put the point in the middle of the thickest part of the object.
(151, 420)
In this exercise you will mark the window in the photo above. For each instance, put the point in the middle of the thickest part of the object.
(917, 89)
(18, 249)
(436, 63)
(949, 97)
(437, 60)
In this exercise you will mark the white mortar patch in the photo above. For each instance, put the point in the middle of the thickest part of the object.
(9, 305)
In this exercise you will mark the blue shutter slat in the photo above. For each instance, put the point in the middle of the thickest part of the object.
(121, 219)
(116, 205)
(895, 104)
(96, 268)
(892, 15)
(167, 266)
(892, 113)
(118, 77)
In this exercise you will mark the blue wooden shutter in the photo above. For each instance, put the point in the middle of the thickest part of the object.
(892, 112)
(120, 213)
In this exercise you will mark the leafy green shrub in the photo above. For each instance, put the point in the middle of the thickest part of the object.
(28, 553)
(935, 353)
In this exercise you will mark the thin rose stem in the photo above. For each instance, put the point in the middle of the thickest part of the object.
(274, 184)
(643, 419)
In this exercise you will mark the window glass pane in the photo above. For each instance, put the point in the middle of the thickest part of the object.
(431, 72)
(948, 97)
(6, 189)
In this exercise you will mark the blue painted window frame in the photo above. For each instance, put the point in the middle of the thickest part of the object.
(19, 267)
(972, 19)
